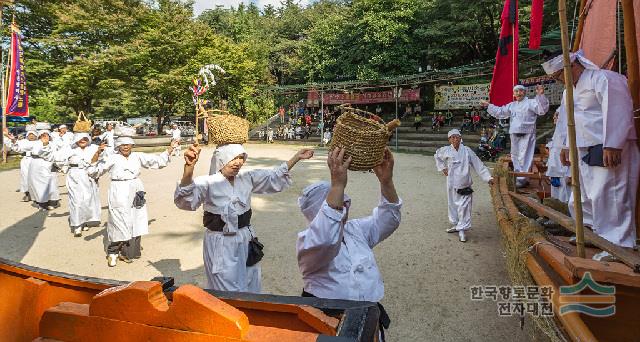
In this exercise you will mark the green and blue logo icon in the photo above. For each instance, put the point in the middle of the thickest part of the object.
(572, 301)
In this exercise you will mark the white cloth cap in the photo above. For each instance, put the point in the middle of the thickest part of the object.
(79, 136)
(557, 63)
(124, 141)
(454, 131)
(31, 132)
(312, 198)
(519, 86)
(62, 126)
(44, 131)
(226, 153)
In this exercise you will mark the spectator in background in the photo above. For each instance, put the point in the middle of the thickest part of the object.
(449, 118)
(466, 122)
(417, 121)
(281, 114)
(475, 120)
(440, 121)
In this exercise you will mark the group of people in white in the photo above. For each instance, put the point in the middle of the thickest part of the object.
(606, 139)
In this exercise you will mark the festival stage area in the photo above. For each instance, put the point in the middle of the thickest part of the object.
(427, 272)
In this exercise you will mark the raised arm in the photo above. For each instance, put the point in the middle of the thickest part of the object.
(190, 194)
(539, 105)
(385, 218)
(278, 179)
(320, 243)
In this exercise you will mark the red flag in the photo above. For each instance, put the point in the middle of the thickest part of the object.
(505, 72)
(536, 24)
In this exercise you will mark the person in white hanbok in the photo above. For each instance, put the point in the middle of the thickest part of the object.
(555, 169)
(43, 182)
(522, 128)
(335, 253)
(456, 161)
(108, 138)
(63, 138)
(607, 148)
(176, 138)
(128, 219)
(226, 197)
(84, 197)
(24, 147)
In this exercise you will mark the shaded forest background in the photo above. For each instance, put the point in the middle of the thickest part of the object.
(128, 58)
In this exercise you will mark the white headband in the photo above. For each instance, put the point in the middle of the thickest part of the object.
(124, 141)
(454, 131)
(557, 63)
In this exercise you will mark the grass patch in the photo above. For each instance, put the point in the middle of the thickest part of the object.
(13, 162)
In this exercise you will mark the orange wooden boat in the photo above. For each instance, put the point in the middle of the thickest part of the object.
(42, 305)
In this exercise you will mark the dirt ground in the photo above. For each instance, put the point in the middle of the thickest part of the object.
(427, 272)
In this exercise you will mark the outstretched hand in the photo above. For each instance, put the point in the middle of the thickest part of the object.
(192, 154)
(540, 89)
(338, 167)
(305, 153)
(384, 171)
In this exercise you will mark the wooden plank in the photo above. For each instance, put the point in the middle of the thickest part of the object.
(625, 255)
(608, 272)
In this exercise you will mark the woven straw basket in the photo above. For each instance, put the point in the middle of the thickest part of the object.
(225, 128)
(82, 124)
(364, 139)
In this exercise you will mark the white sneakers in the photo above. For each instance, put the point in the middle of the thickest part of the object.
(85, 228)
(463, 238)
(77, 231)
(604, 256)
(112, 260)
(452, 230)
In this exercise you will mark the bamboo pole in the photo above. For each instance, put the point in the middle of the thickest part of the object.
(4, 102)
(633, 79)
(581, 18)
(573, 150)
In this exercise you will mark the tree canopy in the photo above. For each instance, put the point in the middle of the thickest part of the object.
(127, 58)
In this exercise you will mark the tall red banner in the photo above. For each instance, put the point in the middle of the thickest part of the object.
(17, 94)
(505, 72)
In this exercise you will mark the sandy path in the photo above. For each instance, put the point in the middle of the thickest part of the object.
(427, 272)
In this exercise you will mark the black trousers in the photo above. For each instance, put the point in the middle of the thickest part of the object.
(130, 249)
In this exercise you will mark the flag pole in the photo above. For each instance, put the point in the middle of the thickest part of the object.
(573, 150)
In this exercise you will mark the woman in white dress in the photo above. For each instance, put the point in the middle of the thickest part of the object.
(43, 183)
(128, 219)
(24, 147)
(226, 197)
(84, 198)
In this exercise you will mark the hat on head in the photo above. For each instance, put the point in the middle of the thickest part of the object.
(519, 87)
(79, 136)
(31, 132)
(454, 131)
(556, 63)
(44, 131)
(62, 126)
(312, 198)
(124, 141)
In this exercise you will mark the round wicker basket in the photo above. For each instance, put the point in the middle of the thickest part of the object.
(364, 139)
(225, 128)
(82, 124)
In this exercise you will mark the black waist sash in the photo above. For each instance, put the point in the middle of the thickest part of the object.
(215, 223)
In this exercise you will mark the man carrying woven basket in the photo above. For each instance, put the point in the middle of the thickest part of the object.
(455, 161)
(231, 250)
(335, 253)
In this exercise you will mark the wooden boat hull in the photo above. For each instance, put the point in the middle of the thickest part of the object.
(43, 305)
(551, 261)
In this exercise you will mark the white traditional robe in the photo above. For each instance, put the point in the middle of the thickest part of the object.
(554, 165)
(108, 138)
(225, 253)
(603, 112)
(522, 128)
(84, 196)
(24, 147)
(66, 140)
(125, 221)
(336, 258)
(459, 163)
(43, 183)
